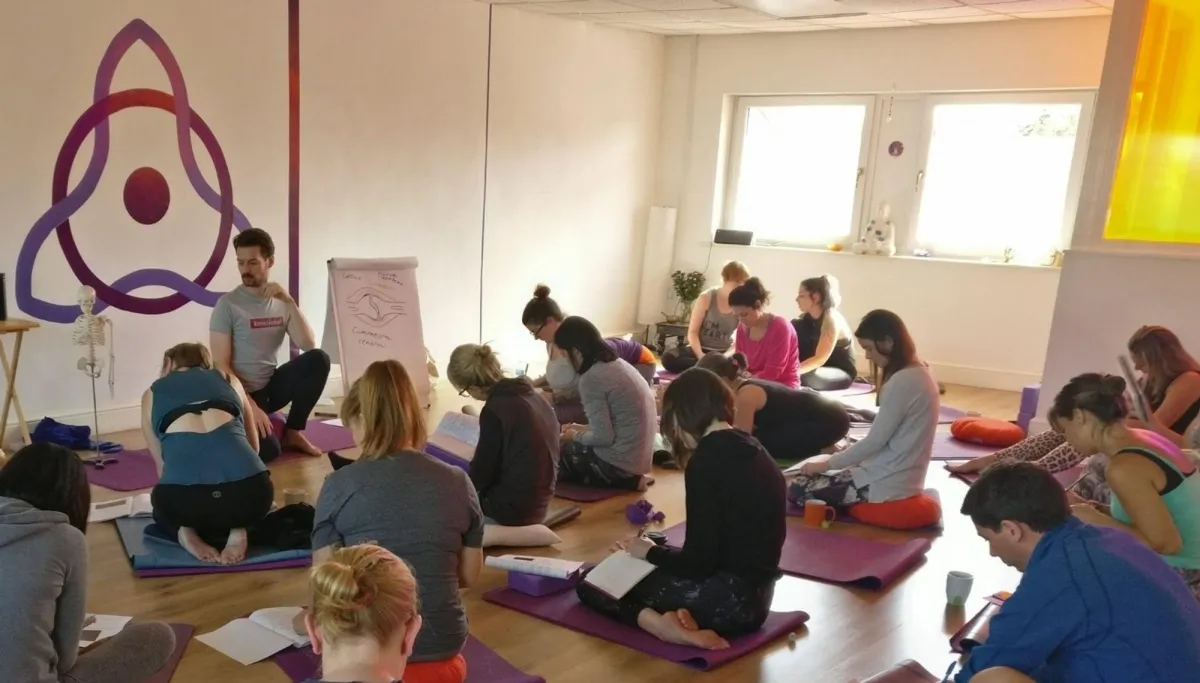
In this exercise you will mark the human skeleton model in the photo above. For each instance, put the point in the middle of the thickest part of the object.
(89, 331)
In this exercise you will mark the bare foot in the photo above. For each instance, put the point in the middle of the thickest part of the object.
(296, 441)
(235, 547)
(668, 627)
(686, 620)
(190, 540)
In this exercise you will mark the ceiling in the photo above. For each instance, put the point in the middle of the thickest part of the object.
(685, 17)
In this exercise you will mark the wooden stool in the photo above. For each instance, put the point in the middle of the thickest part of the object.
(18, 327)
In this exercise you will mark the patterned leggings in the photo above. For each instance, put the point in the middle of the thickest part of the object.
(579, 464)
(1192, 578)
(1050, 451)
(836, 488)
(724, 603)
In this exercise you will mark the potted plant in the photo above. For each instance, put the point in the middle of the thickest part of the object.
(687, 287)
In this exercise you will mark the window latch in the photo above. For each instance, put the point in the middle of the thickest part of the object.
(920, 177)
(858, 178)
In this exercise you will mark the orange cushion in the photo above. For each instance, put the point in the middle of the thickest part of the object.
(916, 512)
(453, 670)
(986, 431)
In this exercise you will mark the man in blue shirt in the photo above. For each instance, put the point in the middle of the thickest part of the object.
(1094, 604)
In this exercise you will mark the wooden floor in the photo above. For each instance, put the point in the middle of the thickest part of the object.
(852, 633)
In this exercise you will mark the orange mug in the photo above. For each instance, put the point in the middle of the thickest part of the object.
(818, 514)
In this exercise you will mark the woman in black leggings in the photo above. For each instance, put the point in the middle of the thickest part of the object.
(792, 424)
(720, 584)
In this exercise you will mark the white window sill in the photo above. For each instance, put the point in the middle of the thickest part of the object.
(901, 257)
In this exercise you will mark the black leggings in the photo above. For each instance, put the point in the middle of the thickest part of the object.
(213, 509)
(298, 382)
(827, 379)
(729, 605)
(579, 464)
(794, 441)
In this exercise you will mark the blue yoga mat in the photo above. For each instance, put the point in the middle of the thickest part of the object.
(148, 549)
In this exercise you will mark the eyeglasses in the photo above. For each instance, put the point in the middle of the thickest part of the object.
(463, 391)
(539, 330)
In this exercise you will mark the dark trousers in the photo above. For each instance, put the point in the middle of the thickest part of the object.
(679, 358)
(724, 603)
(298, 382)
(213, 509)
(827, 379)
(579, 464)
(791, 442)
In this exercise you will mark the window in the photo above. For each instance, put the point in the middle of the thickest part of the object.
(799, 168)
(993, 175)
(1001, 172)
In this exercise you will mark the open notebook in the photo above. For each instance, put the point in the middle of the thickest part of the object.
(457, 433)
(133, 506)
(258, 636)
(618, 574)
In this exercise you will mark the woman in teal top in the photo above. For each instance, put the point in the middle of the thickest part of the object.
(212, 485)
(1155, 487)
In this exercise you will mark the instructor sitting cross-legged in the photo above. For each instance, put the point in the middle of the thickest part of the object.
(246, 332)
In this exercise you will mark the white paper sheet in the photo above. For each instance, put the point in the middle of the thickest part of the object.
(245, 641)
(104, 626)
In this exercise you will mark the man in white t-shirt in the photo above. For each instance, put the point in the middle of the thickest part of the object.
(246, 331)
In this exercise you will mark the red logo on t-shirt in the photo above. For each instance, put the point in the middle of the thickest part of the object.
(261, 323)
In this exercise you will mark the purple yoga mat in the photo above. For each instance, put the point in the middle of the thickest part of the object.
(324, 436)
(973, 627)
(948, 414)
(946, 447)
(829, 556)
(564, 609)
(483, 665)
(183, 635)
(222, 568)
(133, 470)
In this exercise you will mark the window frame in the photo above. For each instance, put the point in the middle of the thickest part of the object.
(741, 113)
(1083, 97)
(867, 190)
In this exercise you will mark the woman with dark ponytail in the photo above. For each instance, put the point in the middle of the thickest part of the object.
(792, 424)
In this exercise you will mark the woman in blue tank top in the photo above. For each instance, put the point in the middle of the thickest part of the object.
(212, 485)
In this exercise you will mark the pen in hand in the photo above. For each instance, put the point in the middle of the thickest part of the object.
(949, 672)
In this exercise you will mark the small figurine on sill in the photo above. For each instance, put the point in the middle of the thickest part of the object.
(880, 237)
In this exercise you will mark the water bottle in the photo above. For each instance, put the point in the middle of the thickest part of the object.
(3, 299)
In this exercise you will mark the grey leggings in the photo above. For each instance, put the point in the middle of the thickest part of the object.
(136, 653)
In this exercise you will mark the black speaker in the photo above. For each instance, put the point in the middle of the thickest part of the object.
(741, 238)
(3, 299)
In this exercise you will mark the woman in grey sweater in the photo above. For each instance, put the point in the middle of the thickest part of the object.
(614, 449)
(44, 505)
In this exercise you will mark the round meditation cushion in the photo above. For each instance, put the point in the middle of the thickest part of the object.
(916, 512)
(986, 431)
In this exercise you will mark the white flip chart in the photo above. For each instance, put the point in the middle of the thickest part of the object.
(374, 313)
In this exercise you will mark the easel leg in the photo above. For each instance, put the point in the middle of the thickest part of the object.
(11, 399)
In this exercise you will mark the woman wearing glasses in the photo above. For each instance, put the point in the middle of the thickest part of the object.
(541, 317)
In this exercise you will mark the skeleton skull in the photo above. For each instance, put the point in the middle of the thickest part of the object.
(87, 299)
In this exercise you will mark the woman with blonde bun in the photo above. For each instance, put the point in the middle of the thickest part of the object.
(365, 618)
(516, 461)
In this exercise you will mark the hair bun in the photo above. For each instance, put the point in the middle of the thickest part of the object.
(1113, 386)
(541, 292)
(338, 584)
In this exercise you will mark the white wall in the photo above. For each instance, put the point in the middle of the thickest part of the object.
(571, 159)
(981, 324)
(394, 119)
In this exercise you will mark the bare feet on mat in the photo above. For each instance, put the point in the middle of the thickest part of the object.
(670, 628)
(235, 547)
(296, 441)
(190, 540)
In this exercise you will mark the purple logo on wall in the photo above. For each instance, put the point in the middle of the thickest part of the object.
(146, 195)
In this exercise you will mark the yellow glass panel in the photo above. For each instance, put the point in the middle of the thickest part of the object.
(1156, 189)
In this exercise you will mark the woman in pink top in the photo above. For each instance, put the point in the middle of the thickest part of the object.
(767, 340)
